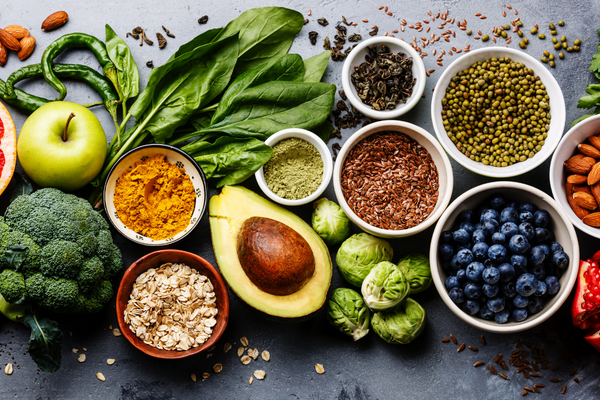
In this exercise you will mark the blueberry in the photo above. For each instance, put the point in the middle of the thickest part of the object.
(496, 304)
(497, 202)
(541, 288)
(472, 290)
(446, 236)
(464, 257)
(539, 271)
(466, 216)
(456, 295)
(451, 282)
(509, 214)
(446, 266)
(543, 235)
(519, 314)
(489, 214)
(502, 316)
(498, 238)
(478, 236)
(471, 307)
(536, 257)
(480, 250)
(461, 236)
(509, 290)
(518, 261)
(509, 229)
(535, 305)
(526, 284)
(525, 217)
(485, 313)
(552, 284)
(467, 226)
(507, 272)
(518, 244)
(520, 301)
(497, 253)
(555, 246)
(491, 275)
(446, 251)
(527, 207)
(546, 249)
(490, 226)
(513, 204)
(474, 271)
(527, 230)
(541, 218)
(490, 290)
(560, 259)
(454, 263)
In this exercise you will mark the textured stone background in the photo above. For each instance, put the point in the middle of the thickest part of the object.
(370, 368)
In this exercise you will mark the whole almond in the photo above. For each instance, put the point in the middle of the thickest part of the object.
(580, 212)
(27, 46)
(595, 141)
(17, 31)
(588, 150)
(3, 55)
(595, 189)
(578, 165)
(55, 20)
(576, 179)
(589, 160)
(569, 188)
(592, 219)
(594, 175)
(9, 41)
(585, 200)
(582, 188)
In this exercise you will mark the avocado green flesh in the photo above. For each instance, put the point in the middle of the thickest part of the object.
(227, 212)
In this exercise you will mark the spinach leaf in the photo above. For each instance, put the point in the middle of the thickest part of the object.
(264, 33)
(314, 67)
(200, 40)
(265, 109)
(232, 160)
(200, 121)
(288, 67)
(187, 83)
(44, 342)
(128, 76)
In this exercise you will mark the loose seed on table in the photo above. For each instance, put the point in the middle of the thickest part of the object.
(478, 363)
(453, 339)
(461, 347)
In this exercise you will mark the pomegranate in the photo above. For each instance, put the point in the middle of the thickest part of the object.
(585, 311)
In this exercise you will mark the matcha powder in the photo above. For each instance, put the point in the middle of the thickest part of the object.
(296, 169)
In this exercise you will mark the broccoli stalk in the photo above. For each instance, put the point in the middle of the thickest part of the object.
(46, 337)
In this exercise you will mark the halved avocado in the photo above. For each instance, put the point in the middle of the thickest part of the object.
(227, 212)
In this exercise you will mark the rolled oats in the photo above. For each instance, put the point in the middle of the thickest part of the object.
(100, 376)
(244, 341)
(116, 332)
(250, 380)
(240, 351)
(253, 353)
(226, 347)
(265, 355)
(110, 361)
(218, 368)
(193, 377)
(319, 368)
(8, 370)
(81, 358)
(259, 374)
(245, 360)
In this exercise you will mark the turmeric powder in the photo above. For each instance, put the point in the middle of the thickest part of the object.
(155, 198)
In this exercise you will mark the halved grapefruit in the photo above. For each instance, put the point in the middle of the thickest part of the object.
(8, 148)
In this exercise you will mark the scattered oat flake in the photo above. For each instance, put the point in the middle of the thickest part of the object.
(110, 361)
(319, 368)
(81, 358)
(110, 327)
(240, 351)
(250, 380)
(75, 351)
(218, 367)
(259, 374)
(209, 355)
(212, 348)
(244, 341)
(265, 355)
(245, 360)
(8, 370)
(253, 353)
(193, 377)
(226, 347)
(205, 375)
(100, 376)
(116, 332)
(85, 349)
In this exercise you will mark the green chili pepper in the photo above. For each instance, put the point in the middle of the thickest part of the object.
(22, 101)
(76, 40)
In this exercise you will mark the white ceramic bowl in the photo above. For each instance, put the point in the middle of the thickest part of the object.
(357, 57)
(325, 156)
(560, 225)
(558, 175)
(174, 156)
(439, 157)
(557, 110)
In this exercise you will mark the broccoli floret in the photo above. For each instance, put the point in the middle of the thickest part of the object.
(115, 263)
(61, 295)
(12, 285)
(31, 263)
(20, 209)
(88, 244)
(4, 230)
(105, 246)
(40, 225)
(36, 287)
(61, 259)
(91, 273)
(98, 298)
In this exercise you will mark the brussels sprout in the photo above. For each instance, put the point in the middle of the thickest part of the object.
(347, 311)
(330, 222)
(385, 286)
(400, 324)
(417, 271)
(359, 254)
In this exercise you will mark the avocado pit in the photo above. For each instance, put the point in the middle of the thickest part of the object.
(276, 258)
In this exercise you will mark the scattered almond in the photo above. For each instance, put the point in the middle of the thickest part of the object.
(218, 368)
(265, 355)
(116, 332)
(588, 150)
(592, 219)
(259, 374)
(110, 361)
(193, 377)
(27, 47)
(81, 358)
(244, 341)
(319, 368)
(55, 20)
(100, 376)
(17, 31)
(9, 41)
(585, 200)
(8, 370)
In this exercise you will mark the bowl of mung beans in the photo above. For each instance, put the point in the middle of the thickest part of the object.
(498, 112)
(393, 179)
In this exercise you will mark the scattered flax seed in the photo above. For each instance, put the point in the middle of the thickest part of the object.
(503, 364)
(389, 13)
(245, 360)
(259, 374)
(528, 389)
(453, 339)
(218, 368)
(81, 358)
(385, 9)
(226, 347)
(539, 385)
(8, 370)
(193, 377)
(380, 8)
(503, 13)
(478, 364)
(516, 12)
(573, 372)
(319, 368)
(535, 375)
(524, 393)
(461, 348)
(250, 380)
(265, 355)
(555, 380)
(478, 14)
(365, 20)
(554, 368)
(473, 348)
(504, 376)
(576, 380)
(509, 7)
(309, 13)
(110, 361)
(100, 376)
(244, 341)
(563, 390)
(116, 332)
(537, 390)
(482, 339)
(492, 370)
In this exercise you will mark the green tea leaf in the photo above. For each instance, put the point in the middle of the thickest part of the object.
(44, 343)
(128, 76)
(315, 66)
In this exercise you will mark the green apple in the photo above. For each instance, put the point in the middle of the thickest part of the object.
(59, 150)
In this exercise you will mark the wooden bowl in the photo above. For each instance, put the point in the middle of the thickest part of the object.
(155, 260)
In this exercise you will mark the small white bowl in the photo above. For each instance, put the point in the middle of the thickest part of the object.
(560, 225)
(325, 156)
(439, 157)
(558, 175)
(557, 110)
(174, 156)
(357, 57)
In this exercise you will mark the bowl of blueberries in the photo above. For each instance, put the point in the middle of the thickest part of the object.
(504, 257)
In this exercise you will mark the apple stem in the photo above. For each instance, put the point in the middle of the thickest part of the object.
(67, 126)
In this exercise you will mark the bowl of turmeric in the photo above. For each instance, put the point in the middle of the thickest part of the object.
(155, 195)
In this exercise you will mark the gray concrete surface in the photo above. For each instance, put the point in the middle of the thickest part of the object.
(370, 368)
